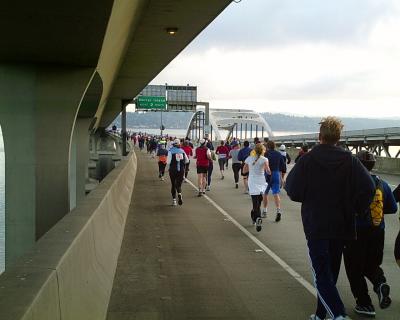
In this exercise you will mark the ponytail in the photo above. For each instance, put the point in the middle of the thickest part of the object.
(258, 157)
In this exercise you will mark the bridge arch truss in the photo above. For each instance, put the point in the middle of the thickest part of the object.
(241, 124)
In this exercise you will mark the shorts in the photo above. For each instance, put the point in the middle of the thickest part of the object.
(241, 171)
(202, 170)
(274, 183)
(222, 163)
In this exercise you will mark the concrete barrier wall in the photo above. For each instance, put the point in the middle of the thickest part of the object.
(69, 273)
(387, 165)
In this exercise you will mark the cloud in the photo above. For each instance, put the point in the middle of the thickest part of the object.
(334, 86)
(266, 23)
(305, 57)
(295, 71)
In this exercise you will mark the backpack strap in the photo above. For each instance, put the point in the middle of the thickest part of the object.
(379, 184)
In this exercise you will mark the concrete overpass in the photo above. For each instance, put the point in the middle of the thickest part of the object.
(65, 71)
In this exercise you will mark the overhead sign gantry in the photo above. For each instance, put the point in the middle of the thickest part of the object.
(167, 98)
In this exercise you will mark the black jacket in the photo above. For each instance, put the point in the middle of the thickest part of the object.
(332, 186)
(396, 193)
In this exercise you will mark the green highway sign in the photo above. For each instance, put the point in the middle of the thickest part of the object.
(151, 103)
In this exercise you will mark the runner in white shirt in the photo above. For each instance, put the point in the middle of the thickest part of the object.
(257, 165)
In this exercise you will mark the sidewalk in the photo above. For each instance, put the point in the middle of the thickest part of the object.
(190, 263)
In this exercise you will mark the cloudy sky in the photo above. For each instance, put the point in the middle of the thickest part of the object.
(308, 57)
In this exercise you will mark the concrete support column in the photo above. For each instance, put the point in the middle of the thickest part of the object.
(79, 160)
(38, 107)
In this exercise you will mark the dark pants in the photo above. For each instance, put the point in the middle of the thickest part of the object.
(256, 211)
(236, 169)
(161, 168)
(326, 256)
(222, 163)
(362, 259)
(176, 182)
(209, 173)
(397, 247)
(187, 169)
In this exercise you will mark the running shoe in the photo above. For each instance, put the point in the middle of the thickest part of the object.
(180, 199)
(204, 191)
(383, 292)
(367, 310)
(208, 188)
(315, 317)
(278, 216)
(222, 178)
(237, 186)
(174, 202)
(264, 213)
(258, 224)
(162, 178)
(200, 194)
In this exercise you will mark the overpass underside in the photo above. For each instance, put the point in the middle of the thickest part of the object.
(67, 69)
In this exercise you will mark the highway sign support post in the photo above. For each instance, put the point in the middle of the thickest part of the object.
(161, 125)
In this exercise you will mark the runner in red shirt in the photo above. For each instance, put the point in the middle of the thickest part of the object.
(223, 154)
(202, 155)
(189, 152)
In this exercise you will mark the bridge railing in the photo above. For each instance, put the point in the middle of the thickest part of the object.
(383, 134)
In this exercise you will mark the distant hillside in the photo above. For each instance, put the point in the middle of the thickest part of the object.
(277, 121)
(152, 120)
(282, 122)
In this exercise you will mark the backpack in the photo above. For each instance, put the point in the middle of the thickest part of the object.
(376, 206)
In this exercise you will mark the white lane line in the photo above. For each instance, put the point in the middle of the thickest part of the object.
(267, 250)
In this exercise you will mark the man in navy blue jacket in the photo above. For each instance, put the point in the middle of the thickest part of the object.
(242, 156)
(332, 186)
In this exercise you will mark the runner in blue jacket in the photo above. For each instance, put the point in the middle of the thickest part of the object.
(363, 257)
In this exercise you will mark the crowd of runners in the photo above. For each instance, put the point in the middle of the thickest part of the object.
(343, 203)
(261, 167)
